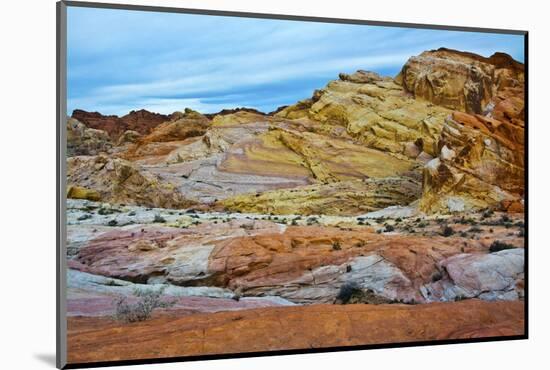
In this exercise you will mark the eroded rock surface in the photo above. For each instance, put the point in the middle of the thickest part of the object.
(460, 80)
(82, 140)
(399, 201)
(303, 264)
(354, 197)
(374, 110)
(278, 328)
(120, 181)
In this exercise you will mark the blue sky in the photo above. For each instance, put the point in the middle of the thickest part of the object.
(121, 60)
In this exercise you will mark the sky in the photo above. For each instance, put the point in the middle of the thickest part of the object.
(123, 60)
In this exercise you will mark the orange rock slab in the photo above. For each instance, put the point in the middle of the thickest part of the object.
(299, 327)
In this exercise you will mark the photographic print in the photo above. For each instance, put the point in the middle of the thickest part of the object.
(238, 184)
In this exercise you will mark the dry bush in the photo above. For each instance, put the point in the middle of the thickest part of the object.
(148, 300)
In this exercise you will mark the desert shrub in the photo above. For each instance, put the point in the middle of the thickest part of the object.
(105, 211)
(466, 221)
(159, 219)
(436, 276)
(475, 229)
(112, 223)
(312, 220)
(389, 228)
(132, 213)
(84, 217)
(347, 290)
(294, 223)
(447, 231)
(336, 245)
(148, 300)
(248, 226)
(497, 245)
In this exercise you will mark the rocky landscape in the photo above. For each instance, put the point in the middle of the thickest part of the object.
(382, 209)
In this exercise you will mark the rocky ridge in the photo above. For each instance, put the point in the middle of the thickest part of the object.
(450, 120)
(141, 121)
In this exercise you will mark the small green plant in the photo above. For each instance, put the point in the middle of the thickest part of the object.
(105, 211)
(148, 300)
(336, 245)
(447, 231)
(159, 219)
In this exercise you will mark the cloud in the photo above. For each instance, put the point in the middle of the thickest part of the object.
(122, 60)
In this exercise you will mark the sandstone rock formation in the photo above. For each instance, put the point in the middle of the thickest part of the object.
(352, 197)
(167, 136)
(459, 80)
(362, 126)
(279, 328)
(303, 264)
(378, 210)
(141, 121)
(489, 276)
(129, 136)
(82, 140)
(374, 110)
(120, 181)
(480, 165)
(79, 192)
